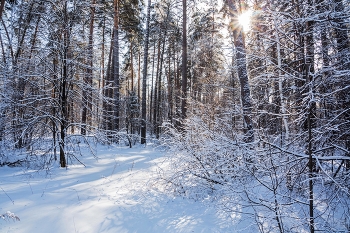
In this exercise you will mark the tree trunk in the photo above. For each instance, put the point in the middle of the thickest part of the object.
(26, 27)
(116, 67)
(139, 76)
(34, 37)
(108, 92)
(159, 81)
(343, 56)
(170, 86)
(280, 82)
(54, 113)
(101, 83)
(241, 61)
(63, 93)
(184, 60)
(2, 4)
(132, 66)
(155, 102)
(9, 39)
(87, 89)
(144, 78)
(2, 50)
(342, 38)
(311, 109)
(152, 83)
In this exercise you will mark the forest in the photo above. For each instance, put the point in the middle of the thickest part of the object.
(250, 98)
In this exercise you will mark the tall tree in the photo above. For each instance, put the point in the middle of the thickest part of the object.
(184, 60)
(116, 78)
(87, 90)
(144, 78)
(241, 61)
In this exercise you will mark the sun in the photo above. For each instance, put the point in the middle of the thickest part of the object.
(244, 20)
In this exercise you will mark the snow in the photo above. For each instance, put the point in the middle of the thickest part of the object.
(119, 192)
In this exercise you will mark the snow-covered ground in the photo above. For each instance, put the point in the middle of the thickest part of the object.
(118, 192)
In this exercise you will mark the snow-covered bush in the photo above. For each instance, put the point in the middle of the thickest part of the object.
(260, 186)
(9, 215)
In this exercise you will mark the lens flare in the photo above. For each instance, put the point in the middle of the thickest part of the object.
(245, 20)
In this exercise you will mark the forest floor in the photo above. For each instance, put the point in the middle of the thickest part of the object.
(118, 190)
